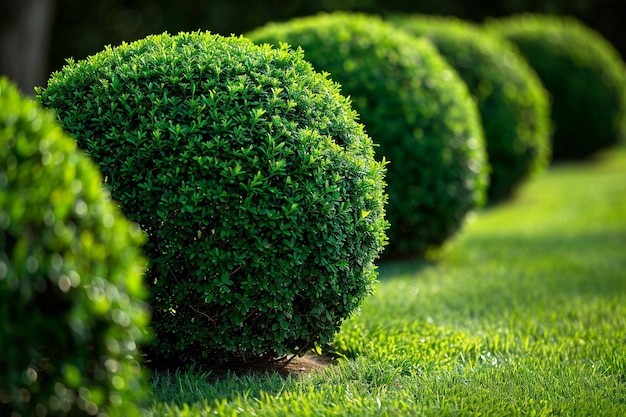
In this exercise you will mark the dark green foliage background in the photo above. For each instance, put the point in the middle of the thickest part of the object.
(513, 104)
(417, 111)
(71, 289)
(82, 28)
(584, 74)
(256, 186)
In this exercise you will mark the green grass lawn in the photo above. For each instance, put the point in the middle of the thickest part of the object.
(525, 314)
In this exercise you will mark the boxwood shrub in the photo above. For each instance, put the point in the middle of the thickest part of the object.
(250, 174)
(584, 75)
(417, 110)
(72, 314)
(513, 104)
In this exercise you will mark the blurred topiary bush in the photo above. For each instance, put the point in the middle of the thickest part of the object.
(584, 75)
(256, 186)
(416, 109)
(513, 104)
(71, 289)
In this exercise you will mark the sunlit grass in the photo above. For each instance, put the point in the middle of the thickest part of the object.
(524, 315)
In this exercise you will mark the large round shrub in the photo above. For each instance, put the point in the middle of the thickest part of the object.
(584, 75)
(416, 109)
(71, 289)
(513, 104)
(257, 188)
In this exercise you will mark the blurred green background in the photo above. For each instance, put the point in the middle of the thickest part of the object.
(36, 36)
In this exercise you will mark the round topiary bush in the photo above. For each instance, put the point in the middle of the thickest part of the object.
(513, 104)
(416, 109)
(71, 288)
(257, 188)
(584, 75)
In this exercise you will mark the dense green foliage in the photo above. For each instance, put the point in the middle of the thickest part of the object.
(583, 73)
(513, 104)
(71, 289)
(526, 316)
(257, 188)
(415, 108)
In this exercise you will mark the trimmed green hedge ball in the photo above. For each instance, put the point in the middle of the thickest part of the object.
(257, 188)
(72, 315)
(416, 109)
(514, 106)
(584, 75)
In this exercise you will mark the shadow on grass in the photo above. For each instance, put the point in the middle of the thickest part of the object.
(389, 269)
(590, 263)
(495, 276)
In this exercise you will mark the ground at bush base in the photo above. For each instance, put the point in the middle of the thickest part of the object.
(524, 315)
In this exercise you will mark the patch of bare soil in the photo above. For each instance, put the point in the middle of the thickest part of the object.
(307, 363)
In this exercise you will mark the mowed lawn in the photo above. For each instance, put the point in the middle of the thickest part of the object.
(524, 314)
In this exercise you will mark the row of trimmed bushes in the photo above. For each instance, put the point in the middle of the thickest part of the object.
(418, 111)
(261, 197)
(546, 87)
